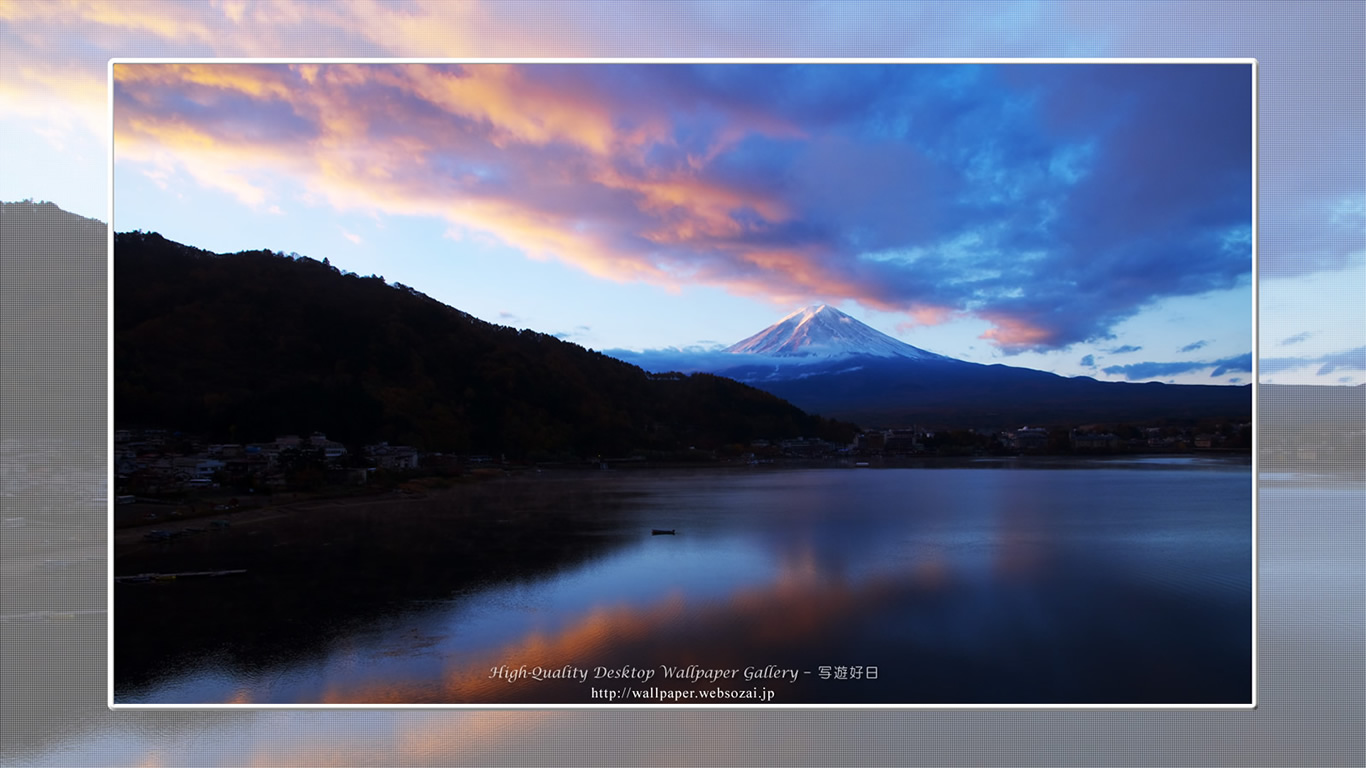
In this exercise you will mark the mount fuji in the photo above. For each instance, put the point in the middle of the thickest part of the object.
(823, 331)
(824, 361)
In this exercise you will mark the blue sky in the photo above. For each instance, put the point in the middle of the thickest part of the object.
(1088, 219)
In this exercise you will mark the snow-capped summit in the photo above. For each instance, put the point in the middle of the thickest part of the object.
(823, 331)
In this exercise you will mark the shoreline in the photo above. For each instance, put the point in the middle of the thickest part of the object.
(129, 538)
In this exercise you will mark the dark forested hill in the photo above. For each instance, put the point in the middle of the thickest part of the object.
(253, 344)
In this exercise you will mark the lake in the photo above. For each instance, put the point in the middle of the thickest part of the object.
(1046, 581)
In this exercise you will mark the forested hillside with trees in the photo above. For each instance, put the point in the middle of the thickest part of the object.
(250, 345)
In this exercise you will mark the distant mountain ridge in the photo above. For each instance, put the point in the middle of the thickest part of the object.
(823, 331)
(824, 361)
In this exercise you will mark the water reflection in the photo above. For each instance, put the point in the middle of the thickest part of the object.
(783, 620)
(958, 585)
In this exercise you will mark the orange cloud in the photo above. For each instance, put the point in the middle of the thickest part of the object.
(690, 208)
(1015, 333)
(251, 80)
(672, 207)
(70, 41)
(924, 314)
(517, 108)
(166, 20)
(164, 147)
(544, 159)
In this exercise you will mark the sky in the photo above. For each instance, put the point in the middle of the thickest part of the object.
(1087, 219)
(1071, 211)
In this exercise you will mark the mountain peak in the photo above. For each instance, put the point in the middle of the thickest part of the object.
(820, 330)
(817, 309)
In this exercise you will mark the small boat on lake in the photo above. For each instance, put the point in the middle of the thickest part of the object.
(662, 532)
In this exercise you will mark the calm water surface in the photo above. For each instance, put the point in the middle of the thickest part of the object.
(999, 582)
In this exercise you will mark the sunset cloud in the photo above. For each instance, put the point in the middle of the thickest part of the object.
(933, 192)
(1312, 208)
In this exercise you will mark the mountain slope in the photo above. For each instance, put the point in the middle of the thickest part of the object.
(253, 344)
